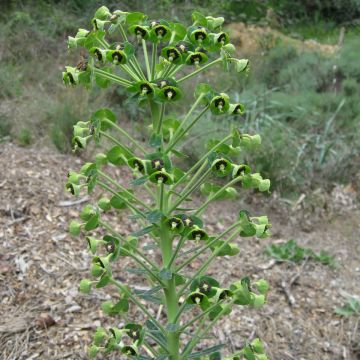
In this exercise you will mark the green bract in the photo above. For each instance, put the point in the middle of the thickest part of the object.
(158, 199)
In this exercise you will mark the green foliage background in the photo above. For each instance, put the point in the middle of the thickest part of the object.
(304, 104)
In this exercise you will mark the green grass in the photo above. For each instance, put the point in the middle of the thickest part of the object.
(292, 252)
(350, 308)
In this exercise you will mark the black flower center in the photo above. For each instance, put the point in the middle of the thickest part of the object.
(140, 31)
(78, 143)
(157, 164)
(117, 56)
(240, 170)
(195, 59)
(146, 89)
(134, 334)
(128, 350)
(161, 177)
(70, 188)
(188, 221)
(160, 31)
(98, 53)
(200, 34)
(197, 298)
(110, 247)
(204, 287)
(138, 165)
(170, 93)
(172, 54)
(219, 103)
(224, 294)
(175, 223)
(198, 234)
(222, 38)
(237, 109)
(183, 48)
(221, 165)
(71, 78)
(162, 83)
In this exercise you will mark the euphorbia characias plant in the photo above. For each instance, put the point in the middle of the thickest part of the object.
(152, 59)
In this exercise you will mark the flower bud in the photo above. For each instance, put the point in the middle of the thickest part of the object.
(74, 177)
(70, 76)
(93, 351)
(104, 204)
(74, 228)
(99, 24)
(96, 269)
(85, 286)
(183, 46)
(80, 131)
(99, 336)
(100, 159)
(80, 142)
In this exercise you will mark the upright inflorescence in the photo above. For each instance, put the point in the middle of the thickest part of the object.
(147, 61)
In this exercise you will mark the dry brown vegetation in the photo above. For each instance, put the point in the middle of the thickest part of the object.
(43, 316)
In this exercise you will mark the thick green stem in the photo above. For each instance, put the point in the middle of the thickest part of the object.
(171, 298)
